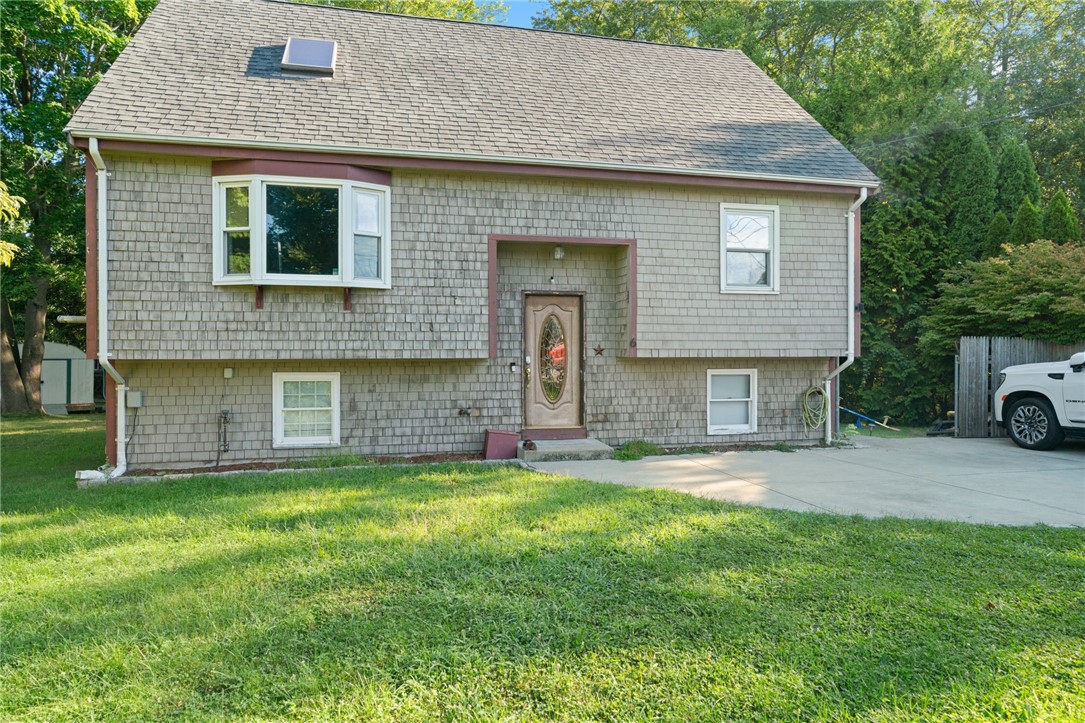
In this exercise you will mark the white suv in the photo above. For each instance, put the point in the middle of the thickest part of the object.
(1040, 404)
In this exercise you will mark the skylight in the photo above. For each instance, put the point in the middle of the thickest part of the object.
(313, 56)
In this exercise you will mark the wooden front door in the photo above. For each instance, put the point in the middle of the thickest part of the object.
(552, 354)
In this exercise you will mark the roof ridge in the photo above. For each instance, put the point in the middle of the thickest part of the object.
(586, 36)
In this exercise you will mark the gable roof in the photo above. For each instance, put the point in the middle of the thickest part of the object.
(208, 71)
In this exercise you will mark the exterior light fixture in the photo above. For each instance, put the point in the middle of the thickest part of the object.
(559, 252)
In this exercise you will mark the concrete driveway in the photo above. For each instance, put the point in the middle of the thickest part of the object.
(972, 480)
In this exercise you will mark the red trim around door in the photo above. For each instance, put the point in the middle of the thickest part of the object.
(631, 254)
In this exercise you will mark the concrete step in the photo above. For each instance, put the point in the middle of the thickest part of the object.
(558, 450)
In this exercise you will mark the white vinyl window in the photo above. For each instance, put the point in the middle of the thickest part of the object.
(279, 230)
(749, 249)
(732, 401)
(306, 409)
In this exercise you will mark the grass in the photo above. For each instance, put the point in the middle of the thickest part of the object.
(638, 449)
(471, 592)
(871, 430)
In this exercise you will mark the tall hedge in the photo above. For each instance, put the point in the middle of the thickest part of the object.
(1016, 177)
(1060, 223)
(1028, 224)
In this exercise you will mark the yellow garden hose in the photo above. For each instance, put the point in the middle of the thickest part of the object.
(815, 408)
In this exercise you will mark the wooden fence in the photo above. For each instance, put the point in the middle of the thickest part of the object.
(979, 361)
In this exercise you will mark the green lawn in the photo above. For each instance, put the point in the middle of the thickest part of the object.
(460, 592)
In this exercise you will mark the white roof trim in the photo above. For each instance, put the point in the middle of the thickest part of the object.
(456, 156)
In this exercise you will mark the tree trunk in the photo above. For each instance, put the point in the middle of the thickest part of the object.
(34, 343)
(12, 392)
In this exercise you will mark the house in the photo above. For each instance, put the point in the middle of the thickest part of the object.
(312, 228)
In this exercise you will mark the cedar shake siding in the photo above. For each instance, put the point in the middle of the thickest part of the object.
(163, 304)
(412, 407)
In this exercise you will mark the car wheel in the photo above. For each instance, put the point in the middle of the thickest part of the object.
(1032, 424)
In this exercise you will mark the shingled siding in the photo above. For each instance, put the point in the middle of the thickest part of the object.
(413, 407)
(163, 305)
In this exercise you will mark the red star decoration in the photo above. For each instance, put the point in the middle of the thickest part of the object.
(598, 350)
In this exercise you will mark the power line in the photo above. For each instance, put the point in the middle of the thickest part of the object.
(989, 121)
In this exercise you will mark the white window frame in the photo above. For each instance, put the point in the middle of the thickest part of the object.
(773, 287)
(258, 275)
(280, 440)
(752, 401)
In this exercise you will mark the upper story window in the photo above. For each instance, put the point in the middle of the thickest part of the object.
(749, 249)
(301, 232)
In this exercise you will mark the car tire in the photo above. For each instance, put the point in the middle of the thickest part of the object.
(1032, 424)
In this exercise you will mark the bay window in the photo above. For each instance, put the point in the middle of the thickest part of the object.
(275, 230)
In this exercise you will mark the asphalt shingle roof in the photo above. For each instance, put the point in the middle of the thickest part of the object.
(209, 69)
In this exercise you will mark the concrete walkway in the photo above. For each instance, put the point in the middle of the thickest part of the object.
(972, 480)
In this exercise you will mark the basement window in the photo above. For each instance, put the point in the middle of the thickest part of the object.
(732, 401)
(306, 409)
(276, 230)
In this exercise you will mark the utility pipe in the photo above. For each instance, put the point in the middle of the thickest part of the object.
(103, 309)
(853, 251)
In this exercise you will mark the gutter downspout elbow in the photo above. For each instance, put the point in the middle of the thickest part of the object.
(103, 308)
(853, 251)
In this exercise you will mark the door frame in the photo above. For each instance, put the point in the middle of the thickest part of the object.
(579, 431)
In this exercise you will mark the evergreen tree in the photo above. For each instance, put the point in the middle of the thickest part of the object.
(1060, 224)
(970, 189)
(1027, 224)
(998, 233)
(1016, 179)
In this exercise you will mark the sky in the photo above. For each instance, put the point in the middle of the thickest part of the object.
(520, 11)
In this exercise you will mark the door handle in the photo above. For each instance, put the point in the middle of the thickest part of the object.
(527, 374)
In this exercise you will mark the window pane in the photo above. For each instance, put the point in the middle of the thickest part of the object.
(307, 423)
(366, 257)
(748, 231)
(367, 207)
(747, 269)
(302, 230)
(307, 394)
(728, 413)
(730, 386)
(237, 207)
(237, 252)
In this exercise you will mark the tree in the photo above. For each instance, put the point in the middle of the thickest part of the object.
(1027, 225)
(1017, 179)
(998, 233)
(1033, 291)
(483, 11)
(53, 54)
(905, 250)
(657, 22)
(970, 189)
(1060, 224)
(9, 211)
(1035, 81)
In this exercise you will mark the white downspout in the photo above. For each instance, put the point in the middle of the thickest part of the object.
(853, 251)
(103, 310)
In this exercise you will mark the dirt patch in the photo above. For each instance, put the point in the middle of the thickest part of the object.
(299, 464)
